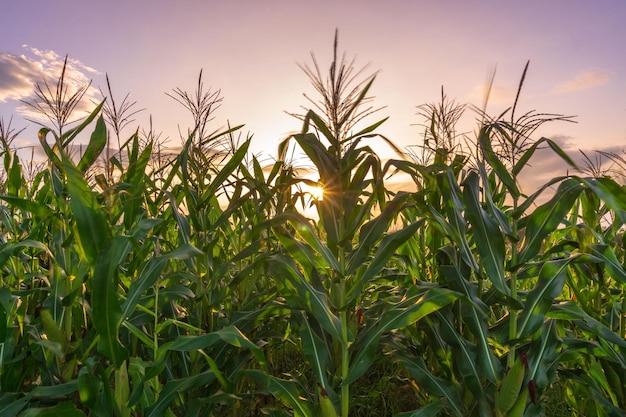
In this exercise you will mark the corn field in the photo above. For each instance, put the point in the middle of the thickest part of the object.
(137, 281)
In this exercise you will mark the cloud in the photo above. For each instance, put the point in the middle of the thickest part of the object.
(585, 80)
(546, 164)
(17, 76)
(20, 73)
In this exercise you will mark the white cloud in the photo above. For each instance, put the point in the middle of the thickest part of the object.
(20, 73)
(584, 81)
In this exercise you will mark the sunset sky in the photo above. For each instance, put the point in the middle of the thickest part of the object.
(250, 49)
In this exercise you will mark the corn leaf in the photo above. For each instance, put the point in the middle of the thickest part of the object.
(71, 134)
(437, 386)
(106, 309)
(398, 316)
(546, 218)
(12, 403)
(488, 237)
(286, 391)
(387, 248)
(316, 352)
(91, 225)
(474, 312)
(543, 354)
(312, 300)
(568, 310)
(432, 409)
(372, 231)
(38, 210)
(151, 273)
(549, 285)
(95, 146)
(499, 168)
(613, 195)
(175, 387)
(64, 409)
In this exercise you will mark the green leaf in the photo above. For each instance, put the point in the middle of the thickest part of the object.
(150, 274)
(286, 391)
(37, 209)
(437, 386)
(304, 229)
(229, 167)
(91, 225)
(543, 354)
(319, 155)
(312, 300)
(403, 314)
(387, 248)
(372, 231)
(230, 335)
(10, 249)
(50, 153)
(65, 409)
(316, 352)
(11, 404)
(174, 387)
(95, 146)
(14, 177)
(368, 129)
(568, 310)
(607, 255)
(546, 218)
(475, 314)
(430, 410)
(106, 309)
(321, 127)
(522, 162)
(613, 195)
(464, 355)
(499, 168)
(488, 237)
(539, 301)
(71, 134)
(45, 392)
(456, 226)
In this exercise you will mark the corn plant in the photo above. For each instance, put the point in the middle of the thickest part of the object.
(333, 274)
(136, 281)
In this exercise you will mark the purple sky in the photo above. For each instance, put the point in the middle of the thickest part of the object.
(249, 50)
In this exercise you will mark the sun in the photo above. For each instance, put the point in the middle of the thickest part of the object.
(316, 192)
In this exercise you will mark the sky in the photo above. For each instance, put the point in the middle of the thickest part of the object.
(250, 51)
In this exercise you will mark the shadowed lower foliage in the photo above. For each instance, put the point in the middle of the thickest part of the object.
(141, 283)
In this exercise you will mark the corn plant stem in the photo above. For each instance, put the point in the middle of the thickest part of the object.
(155, 336)
(513, 286)
(345, 352)
(345, 358)
(622, 321)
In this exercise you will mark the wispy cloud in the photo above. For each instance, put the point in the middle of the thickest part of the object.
(546, 164)
(20, 73)
(585, 80)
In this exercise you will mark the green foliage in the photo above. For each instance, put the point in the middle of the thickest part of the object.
(137, 283)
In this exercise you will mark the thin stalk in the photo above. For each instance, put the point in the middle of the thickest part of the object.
(622, 321)
(345, 364)
(345, 352)
(155, 336)
(513, 285)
